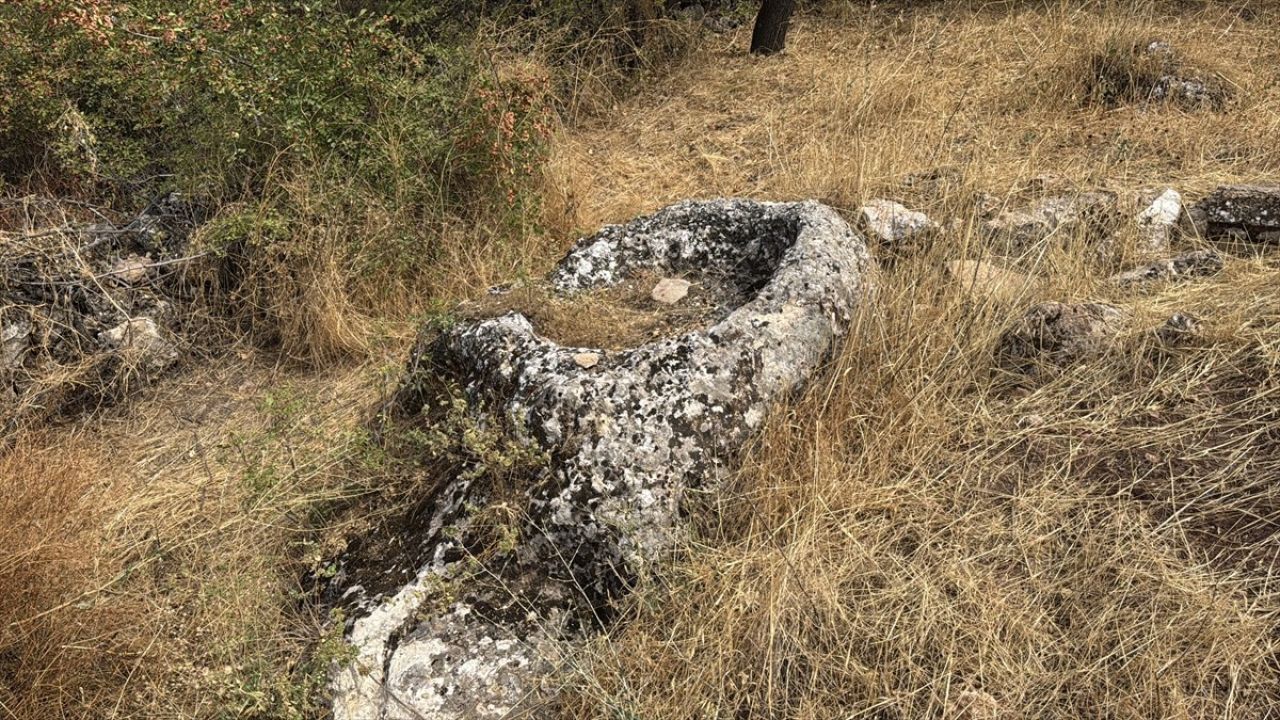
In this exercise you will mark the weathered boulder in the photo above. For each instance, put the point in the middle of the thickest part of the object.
(1025, 227)
(892, 225)
(1198, 263)
(1252, 211)
(627, 438)
(1158, 222)
(1059, 334)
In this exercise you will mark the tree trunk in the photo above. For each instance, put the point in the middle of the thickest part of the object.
(770, 34)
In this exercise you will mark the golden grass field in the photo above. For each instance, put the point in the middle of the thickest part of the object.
(918, 536)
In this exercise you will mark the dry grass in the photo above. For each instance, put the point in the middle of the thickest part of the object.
(917, 534)
(920, 534)
(614, 318)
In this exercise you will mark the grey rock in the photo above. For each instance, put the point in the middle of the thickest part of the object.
(142, 344)
(14, 337)
(1055, 333)
(1051, 216)
(1179, 329)
(628, 440)
(1251, 210)
(1199, 263)
(1158, 221)
(892, 224)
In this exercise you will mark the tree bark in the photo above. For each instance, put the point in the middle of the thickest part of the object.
(770, 34)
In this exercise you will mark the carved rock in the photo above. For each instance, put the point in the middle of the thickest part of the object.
(627, 439)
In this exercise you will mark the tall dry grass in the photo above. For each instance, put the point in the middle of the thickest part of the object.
(60, 651)
(922, 535)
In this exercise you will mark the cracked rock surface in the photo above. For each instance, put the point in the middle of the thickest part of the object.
(628, 436)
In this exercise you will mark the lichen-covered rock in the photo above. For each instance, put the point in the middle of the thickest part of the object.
(628, 437)
(1198, 263)
(891, 224)
(1253, 210)
(1057, 333)
(1154, 72)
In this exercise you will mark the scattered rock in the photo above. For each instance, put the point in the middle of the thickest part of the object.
(893, 225)
(143, 345)
(587, 360)
(983, 280)
(1153, 72)
(974, 705)
(1199, 263)
(82, 291)
(1251, 211)
(1156, 223)
(670, 291)
(1025, 227)
(1178, 329)
(626, 441)
(13, 342)
(1058, 334)
(1027, 422)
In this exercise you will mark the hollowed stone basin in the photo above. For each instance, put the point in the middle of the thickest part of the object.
(627, 438)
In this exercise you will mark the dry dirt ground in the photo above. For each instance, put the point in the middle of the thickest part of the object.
(918, 536)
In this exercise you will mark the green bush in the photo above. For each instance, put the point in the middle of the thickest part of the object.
(214, 92)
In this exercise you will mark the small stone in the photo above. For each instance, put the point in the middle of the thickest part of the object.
(892, 224)
(131, 269)
(984, 280)
(1200, 263)
(1058, 334)
(1027, 422)
(670, 291)
(1179, 328)
(587, 360)
(142, 341)
(13, 342)
(1157, 222)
